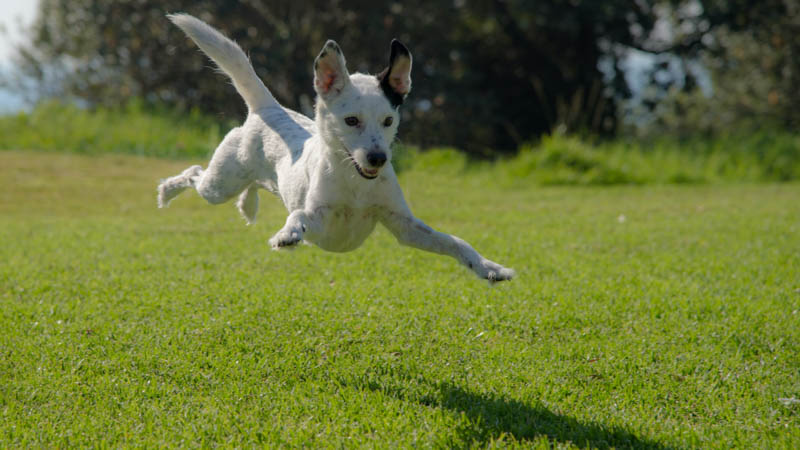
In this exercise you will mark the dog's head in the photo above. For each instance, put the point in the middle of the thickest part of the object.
(358, 114)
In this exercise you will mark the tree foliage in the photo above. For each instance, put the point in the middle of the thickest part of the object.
(753, 57)
(488, 74)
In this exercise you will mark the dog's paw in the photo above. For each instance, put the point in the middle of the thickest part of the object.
(285, 239)
(494, 272)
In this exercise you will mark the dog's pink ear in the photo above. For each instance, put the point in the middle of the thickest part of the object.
(396, 79)
(330, 71)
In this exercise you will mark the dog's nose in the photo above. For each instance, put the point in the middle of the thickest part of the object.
(376, 159)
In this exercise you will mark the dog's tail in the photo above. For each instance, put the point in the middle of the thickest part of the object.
(229, 57)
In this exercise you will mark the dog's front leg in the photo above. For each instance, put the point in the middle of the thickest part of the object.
(298, 222)
(413, 232)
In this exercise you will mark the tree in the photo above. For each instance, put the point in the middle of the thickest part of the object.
(750, 51)
(488, 74)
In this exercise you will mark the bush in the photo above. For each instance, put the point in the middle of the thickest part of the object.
(132, 129)
(557, 159)
(760, 156)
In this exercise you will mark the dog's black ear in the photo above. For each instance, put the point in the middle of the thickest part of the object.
(396, 79)
(330, 71)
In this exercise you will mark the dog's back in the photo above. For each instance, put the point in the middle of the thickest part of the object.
(272, 135)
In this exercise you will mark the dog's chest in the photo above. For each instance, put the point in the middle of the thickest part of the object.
(346, 228)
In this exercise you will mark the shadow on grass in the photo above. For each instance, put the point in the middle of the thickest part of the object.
(491, 416)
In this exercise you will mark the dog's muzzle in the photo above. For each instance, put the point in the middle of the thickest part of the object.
(366, 173)
(376, 159)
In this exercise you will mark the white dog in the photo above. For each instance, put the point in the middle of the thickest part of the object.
(333, 173)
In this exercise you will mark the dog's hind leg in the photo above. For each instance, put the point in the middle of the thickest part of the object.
(248, 203)
(228, 174)
(172, 186)
(230, 170)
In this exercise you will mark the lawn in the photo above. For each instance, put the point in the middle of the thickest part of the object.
(654, 316)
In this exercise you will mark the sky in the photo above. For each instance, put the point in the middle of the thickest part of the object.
(12, 14)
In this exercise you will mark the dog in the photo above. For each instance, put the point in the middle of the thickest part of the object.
(334, 173)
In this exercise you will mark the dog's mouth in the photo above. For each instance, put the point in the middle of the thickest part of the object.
(369, 174)
(366, 173)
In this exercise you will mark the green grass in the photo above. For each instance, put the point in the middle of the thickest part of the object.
(642, 316)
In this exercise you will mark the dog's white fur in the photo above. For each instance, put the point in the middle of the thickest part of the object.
(324, 170)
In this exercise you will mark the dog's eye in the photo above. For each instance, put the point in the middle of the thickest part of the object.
(388, 121)
(351, 121)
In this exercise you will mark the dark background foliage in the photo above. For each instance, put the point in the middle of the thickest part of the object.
(488, 75)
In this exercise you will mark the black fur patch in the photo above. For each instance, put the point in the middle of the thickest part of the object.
(395, 98)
